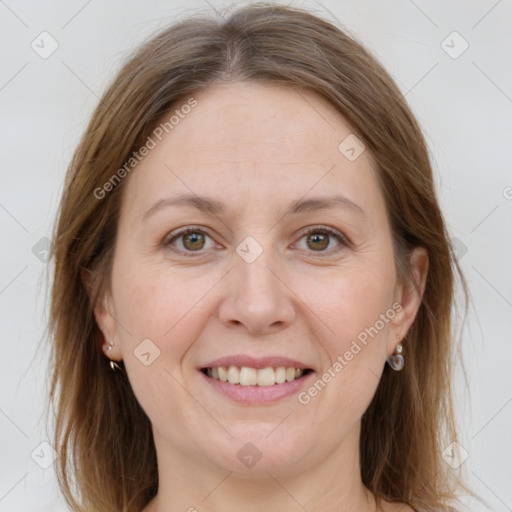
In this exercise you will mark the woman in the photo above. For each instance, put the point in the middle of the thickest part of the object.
(249, 231)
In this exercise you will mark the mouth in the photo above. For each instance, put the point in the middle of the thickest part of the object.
(256, 381)
(249, 376)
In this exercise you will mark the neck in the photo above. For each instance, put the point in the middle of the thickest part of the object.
(186, 484)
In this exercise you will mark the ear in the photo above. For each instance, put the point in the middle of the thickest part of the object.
(410, 294)
(105, 318)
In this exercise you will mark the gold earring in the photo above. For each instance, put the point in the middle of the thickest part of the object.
(114, 366)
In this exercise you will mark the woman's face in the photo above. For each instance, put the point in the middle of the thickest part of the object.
(249, 171)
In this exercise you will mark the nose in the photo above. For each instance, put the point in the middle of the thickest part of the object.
(257, 297)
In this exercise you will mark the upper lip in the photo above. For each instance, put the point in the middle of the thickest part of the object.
(256, 362)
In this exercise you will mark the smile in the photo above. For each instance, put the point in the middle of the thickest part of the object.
(247, 376)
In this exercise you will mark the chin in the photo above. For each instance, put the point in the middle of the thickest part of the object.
(250, 455)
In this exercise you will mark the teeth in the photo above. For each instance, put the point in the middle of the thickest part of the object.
(280, 374)
(233, 375)
(266, 377)
(246, 376)
(223, 374)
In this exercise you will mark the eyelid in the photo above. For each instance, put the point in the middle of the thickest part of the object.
(342, 239)
(176, 234)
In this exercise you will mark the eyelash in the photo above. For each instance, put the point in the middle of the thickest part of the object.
(316, 229)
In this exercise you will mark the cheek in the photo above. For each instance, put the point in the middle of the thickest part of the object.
(161, 303)
(162, 315)
(353, 301)
(357, 308)
(354, 346)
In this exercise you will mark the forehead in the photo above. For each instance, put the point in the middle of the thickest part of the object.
(284, 119)
(250, 140)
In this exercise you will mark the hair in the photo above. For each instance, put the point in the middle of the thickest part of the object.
(106, 453)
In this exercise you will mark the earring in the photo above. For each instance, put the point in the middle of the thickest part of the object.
(396, 359)
(114, 366)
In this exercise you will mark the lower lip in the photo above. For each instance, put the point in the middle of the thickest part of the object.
(254, 395)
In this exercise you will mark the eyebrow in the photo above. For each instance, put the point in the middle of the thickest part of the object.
(216, 207)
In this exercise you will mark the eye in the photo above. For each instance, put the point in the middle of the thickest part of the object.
(194, 240)
(190, 239)
(318, 239)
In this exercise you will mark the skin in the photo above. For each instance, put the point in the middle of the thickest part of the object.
(257, 148)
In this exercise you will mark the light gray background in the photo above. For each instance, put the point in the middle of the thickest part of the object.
(464, 105)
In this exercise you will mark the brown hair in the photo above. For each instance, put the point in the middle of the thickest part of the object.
(107, 457)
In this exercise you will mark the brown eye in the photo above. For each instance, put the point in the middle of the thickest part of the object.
(193, 241)
(318, 241)
(189, 241)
